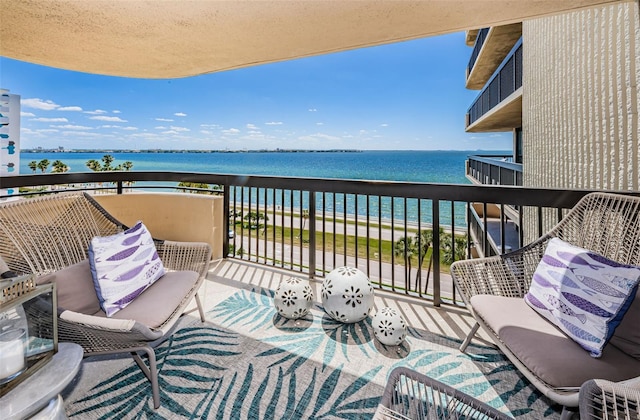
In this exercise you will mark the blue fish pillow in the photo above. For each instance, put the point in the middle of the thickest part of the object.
(582, 293)
(123, 266)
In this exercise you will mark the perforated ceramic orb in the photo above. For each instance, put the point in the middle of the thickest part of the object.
(347, 295)
(293, 298)
(389, 327)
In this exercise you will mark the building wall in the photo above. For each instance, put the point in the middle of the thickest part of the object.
(580, 100)
(9, 137)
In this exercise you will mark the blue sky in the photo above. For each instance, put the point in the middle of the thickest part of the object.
(405, 96)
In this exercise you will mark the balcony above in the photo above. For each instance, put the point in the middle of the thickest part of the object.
(505, 116)
(499, 106)
(494, 170)
(491, 47)
(470, 37)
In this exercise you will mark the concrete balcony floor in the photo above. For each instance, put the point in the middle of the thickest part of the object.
(347, 351)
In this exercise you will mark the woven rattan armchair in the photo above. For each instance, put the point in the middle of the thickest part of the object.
(608, 224)
(410, 395)
(46, 234)
(600, 399)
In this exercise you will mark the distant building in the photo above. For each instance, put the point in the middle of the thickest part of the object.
(566, 87)
(9, 137)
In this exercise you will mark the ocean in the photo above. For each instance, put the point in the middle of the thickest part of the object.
(412, 166)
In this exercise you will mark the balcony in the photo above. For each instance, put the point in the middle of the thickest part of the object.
(246, 358)
(499, 106)
(491, 47)
(493, 170)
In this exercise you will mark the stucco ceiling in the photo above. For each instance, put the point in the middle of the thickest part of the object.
(170, 38)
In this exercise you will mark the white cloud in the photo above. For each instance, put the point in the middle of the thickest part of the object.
(180, 114)
(313, 110)
(160, 127)
(319, 136)
(179, 129)
(41, 119)
(319, 123)
(209, 126)
(27, 114)
(254, 132)
(48, 130)
(164, 119)
(116, 111)
(231, 131)
(205, 132)
(118, 127)
(38, 103)
(108, 119)
(274, 123)
(252, 127)
(72, 127)
(70, 108)
(384, 125)
(96, 112)
(83, 134)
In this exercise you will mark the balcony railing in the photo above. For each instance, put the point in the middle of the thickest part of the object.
(494, 170)
(480, 38)
(505, 80)
(312, 225)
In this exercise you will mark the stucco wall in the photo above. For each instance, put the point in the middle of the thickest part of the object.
(171, 216)
(580, 100)
(580, 104)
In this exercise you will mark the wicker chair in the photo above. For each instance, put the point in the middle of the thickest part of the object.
(410, 395)
(608, 224)
(50, 233)
(600, 399)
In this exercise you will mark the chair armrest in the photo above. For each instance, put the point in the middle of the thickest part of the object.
(605, 399)
(99, 334)
(194, 256)
(504, 275)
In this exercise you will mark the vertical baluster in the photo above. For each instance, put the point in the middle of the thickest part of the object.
(436, 252)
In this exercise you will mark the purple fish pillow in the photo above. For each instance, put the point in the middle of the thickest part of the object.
(582, 293)
(123, 266)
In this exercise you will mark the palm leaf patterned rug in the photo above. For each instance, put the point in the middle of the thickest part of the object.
(247, 362)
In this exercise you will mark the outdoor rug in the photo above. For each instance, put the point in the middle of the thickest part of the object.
(247, 362)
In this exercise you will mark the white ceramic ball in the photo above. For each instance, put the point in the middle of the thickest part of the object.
(294, 298)
(347, 295)
(389, 327)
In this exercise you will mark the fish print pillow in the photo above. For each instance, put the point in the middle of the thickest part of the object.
(582, 293)
(123, 266)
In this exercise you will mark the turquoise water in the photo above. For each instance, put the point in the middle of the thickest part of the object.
(411, 166)
(416, 166)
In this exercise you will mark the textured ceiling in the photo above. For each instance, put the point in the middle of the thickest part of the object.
(167, 39)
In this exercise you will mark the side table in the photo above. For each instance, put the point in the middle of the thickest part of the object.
(35, 392)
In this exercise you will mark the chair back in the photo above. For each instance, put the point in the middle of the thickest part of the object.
(48, 233)
(608, 224)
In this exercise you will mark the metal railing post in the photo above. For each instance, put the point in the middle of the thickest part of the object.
(312, 234)
(436, 252)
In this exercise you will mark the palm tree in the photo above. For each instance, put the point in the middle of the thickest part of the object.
(253, 218)
(108, 160)
(458, 252)
(94, 165)
(127, 166)
(200, 185)
(33, 165)
(424, 241)
(43, 165)
(406, 248)
(59, 167)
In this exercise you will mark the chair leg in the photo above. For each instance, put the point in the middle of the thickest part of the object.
(569, 413)
(467, 340)
(151, 372)
(200, 309)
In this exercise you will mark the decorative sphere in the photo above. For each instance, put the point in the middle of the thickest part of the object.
(347, 295)
(294, 298)
(389, 327)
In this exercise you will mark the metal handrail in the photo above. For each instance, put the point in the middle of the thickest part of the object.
(328, 224)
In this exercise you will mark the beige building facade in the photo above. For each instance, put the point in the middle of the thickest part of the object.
(580, 105)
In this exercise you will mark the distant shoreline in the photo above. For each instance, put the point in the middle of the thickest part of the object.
(188, 151)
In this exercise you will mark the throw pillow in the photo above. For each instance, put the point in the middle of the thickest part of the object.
(123, 266)
(582, 293)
